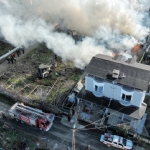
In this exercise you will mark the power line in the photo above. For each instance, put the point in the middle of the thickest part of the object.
(101, 118)
(82, 129)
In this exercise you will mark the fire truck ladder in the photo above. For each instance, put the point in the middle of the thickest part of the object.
(28, 109)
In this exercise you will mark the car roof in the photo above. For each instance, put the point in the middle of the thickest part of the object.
(118, 139)
(115, 138)
(129, 143)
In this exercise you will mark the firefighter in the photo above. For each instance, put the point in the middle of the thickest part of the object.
(15, 59)
(12, 55)
(18, 52)
(55, 56)
(8, 59)
(12, 58)
(23, 50)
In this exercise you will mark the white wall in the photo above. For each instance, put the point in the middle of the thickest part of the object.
(114, 91)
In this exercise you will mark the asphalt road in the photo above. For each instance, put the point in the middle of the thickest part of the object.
(59, 137)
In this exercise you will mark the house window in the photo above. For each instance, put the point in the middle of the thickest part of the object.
(99, 89)
(126, 97)
(123, 96)
(96, 87)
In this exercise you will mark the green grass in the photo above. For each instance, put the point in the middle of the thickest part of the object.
(75, 77)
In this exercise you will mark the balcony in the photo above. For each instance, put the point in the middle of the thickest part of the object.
(124, 103)
(97, 94)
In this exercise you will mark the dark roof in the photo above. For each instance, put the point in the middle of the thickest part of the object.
(131, 110)
(137, 75)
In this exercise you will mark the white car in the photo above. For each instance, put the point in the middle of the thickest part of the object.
(116, 141)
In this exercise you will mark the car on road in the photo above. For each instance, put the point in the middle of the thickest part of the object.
(116, 141)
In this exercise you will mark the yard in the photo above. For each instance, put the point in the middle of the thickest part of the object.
(21, 78)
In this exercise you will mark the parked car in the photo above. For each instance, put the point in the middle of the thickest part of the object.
(116, 141)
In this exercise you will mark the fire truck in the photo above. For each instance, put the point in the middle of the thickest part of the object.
(116, 141)
(32, 116)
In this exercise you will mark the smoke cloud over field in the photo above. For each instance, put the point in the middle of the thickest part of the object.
(108, 25)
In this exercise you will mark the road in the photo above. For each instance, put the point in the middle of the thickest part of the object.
(59, 137)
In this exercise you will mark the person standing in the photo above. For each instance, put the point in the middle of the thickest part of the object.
(8, 59)
(12, 58)
(18, 52)
(55, 56)
(23, 50)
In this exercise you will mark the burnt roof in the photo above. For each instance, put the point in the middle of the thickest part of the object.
(133, 111)
(136, 75)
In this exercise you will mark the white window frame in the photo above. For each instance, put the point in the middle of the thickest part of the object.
(97, 89)
(126, 93)
(98, 93)
(125, 98)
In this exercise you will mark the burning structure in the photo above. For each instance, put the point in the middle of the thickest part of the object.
(96, 20)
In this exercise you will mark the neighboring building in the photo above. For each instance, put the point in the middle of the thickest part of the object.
(119, 86)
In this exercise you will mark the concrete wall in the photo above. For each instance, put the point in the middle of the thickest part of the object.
(114, 91)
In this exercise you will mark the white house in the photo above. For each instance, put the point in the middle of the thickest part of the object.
(120, 86)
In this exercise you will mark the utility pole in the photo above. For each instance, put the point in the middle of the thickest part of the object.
(73, 139)
(74, 121)
(88, 147)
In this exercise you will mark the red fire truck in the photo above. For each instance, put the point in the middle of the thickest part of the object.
(32, 116)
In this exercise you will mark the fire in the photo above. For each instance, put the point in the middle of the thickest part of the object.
(136, 48)
(113, 54)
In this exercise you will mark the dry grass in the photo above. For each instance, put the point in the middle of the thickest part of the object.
(21, 77)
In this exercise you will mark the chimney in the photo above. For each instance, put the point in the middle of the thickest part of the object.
(116, 73)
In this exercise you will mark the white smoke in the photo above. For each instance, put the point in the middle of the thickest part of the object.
(108, 25)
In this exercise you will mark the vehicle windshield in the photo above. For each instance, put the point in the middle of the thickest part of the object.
(124, 141)
(51, 118)
(47, 123)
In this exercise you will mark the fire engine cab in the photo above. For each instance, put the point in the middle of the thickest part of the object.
(32, 116)
(116, 141)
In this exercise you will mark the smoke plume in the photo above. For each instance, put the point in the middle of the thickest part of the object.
(108, 26)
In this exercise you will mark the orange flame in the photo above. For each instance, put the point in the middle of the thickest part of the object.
(136, 48)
